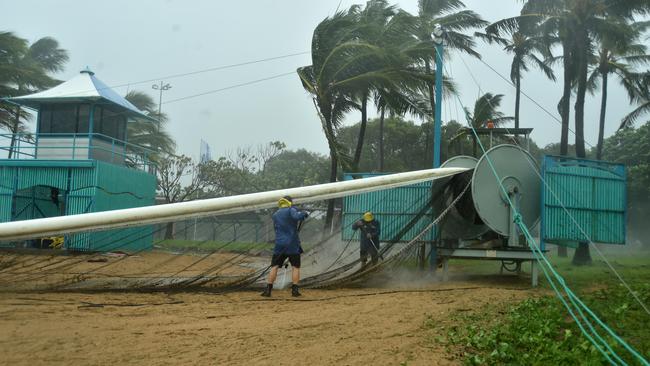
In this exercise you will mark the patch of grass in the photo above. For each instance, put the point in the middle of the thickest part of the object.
(540, 331)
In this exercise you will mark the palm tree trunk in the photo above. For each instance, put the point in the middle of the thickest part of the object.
(603, 111)
(362, 132)
(381, 138)
(565, 102)
(580, 98)
(517, 100)
(431, 87)
(581, 255)
(14, 131)
(327, 124)
(330, 204)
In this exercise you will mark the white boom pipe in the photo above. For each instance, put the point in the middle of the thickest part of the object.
(207, 207)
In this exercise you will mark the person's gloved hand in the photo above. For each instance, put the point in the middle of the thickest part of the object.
(369, 236)
(306, 213)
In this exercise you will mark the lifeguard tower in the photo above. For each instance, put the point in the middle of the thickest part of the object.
(78, 161)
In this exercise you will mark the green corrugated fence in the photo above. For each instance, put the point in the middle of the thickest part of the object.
(88, 186)
(593, 192)
(394, 208)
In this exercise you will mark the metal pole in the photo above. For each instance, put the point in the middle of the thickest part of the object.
(437, 130)
(161, 88)
(437, 124)
(160, 100)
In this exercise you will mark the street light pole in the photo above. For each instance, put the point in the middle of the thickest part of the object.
(437, 36)
(162, 87)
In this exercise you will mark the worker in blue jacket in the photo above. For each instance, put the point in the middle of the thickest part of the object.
(286, 221)
(369, 243)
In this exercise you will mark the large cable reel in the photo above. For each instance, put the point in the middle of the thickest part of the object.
(487, 207)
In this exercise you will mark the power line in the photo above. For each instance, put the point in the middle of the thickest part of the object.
(223, 67)
(229, 87)
(196, 72)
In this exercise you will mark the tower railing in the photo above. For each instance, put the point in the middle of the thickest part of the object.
(75, 146)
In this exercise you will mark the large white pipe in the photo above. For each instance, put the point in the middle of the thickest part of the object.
(214, 206)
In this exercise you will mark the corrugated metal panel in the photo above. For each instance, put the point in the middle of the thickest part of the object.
(31, 176)
(80, 200)
(121, 187)
(7, 175)
(593, 192)
(91, 187)
(393, 208)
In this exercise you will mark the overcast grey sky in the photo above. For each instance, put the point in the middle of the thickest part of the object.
(125, 42)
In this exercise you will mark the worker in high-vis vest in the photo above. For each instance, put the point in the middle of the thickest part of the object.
(369, 237)
(286, 221)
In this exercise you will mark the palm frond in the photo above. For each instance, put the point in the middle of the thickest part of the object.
(629, 120)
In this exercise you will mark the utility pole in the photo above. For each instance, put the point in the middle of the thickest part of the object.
(162, 87)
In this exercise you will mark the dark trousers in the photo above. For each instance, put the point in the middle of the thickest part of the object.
(367, 247)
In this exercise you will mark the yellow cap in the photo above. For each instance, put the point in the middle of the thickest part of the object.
(284, 202)
(368, 216)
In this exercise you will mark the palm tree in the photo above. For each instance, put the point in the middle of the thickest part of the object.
(147, 134)
(11, 47)
(577, 24)
(617, 57)
(397, 68)
(331, 51)
(345, 67)
(524, 45)
(25, 69)
(371, 21)
(486, 110)
(392, 30)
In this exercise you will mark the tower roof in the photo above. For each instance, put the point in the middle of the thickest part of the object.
(85, 87)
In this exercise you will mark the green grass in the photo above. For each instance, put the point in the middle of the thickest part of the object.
(539, 331)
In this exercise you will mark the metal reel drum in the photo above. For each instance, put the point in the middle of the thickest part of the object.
(462, 221)
(517, 171)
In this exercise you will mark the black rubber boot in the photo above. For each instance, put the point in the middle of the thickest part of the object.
(294, 291)
(267, 290)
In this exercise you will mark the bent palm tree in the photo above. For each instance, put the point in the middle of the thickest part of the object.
(147, 134)
(343, 67)
(486, 110)
(25, 69)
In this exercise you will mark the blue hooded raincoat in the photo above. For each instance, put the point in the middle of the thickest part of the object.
(285, 221)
